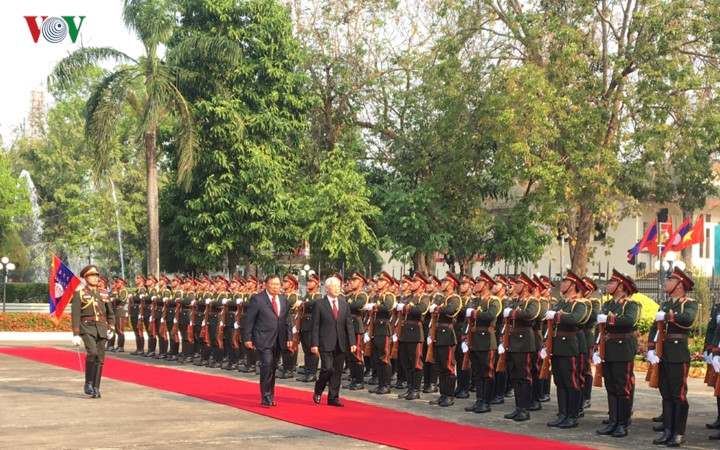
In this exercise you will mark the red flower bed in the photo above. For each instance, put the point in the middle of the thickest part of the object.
(37, 322)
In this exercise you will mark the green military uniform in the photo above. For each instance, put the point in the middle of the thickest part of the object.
(383, 305)
(483, 346)
(232, 328)
(411, 340)
(430, 370)
(357, 302)
(138, 302)
(149, 314)
(311, 361)
(162, 314)
(712, 346)
(445, 342)
(289, 355)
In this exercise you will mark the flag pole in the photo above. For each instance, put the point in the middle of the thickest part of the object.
(661, 259)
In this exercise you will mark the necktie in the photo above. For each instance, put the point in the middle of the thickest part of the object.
(275, 306)
(335, 311)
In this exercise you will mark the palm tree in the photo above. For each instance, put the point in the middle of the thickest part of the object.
(153, 21)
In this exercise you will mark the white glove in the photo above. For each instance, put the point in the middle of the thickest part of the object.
(602, 318)
(707, 356)
(175, 321)
(140, 317)
(165, 299)
(428, 340)
(465, 347)
(142, 296)
(432, 308)
(543, 353)
(366, 337)
(221, 324)
(394, 305)
(394, 337)
(298, 303)
(236, 325)
(717, 319)
(295, 330)
(239, 301)
(507, 311)
(652, 357)
(203, 324)
(716, 363)
(110, 333)
(659, 316)
(501, 349)
(596, 358)
(468, 312)
(193, 303)
(162, 320)
(369, 306)
(208, 301)
(225, 301)
(76, 340)
(550, 315)
(400, 307)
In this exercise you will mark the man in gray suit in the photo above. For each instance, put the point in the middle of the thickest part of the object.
(332, 330)
(268, 329)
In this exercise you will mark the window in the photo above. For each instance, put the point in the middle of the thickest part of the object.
(600, 232)
(707, 242)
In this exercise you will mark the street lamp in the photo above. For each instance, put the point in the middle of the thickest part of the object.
(306, 272)
(6, 267)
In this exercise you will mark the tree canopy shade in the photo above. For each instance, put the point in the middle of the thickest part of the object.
(153, 21)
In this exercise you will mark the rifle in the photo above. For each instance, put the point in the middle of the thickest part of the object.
(191, 325)
(506, 338)
(296, 334)
(717, 385)
(466, 356)
(176, 320)
(655, 368)
(221, 326)
(545, 370)
(710, 376)
(131, 302)
(430, 355)
(597, 379)
(163, 322)
(371, 331)
(205, 332)
(151, 320)
(396, 344)
(238, 321)
(140, 313)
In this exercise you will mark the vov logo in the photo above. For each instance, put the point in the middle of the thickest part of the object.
(54, 29)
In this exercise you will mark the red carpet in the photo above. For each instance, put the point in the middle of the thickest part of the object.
(296, 406)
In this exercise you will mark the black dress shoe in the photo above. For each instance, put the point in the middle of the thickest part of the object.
(119, 350)
(449, 401)
(715, 437)
(620, 431)
(658, 428)
(512, 414)
(267, 401)
(463, 394)
(438, 400)
(662, 440)
(555, 423)
(715, 425)
(149, 355)
(384, 390)
(676, 441)
(586, 404)
(497, 400)
(358, 387)
(316, 398)
(522, 416)
(88, 388)
(544, 398)
(414, 395)
(472, 407)
(483, 408)
(431, 389)
(569, 422)
(535, 406)
(336, 403)
(658, 418)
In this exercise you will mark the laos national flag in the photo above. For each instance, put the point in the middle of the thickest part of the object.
(63, 283)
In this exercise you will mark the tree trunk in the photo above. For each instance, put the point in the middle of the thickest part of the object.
(153, 257)
(233, 259)
(585, 226)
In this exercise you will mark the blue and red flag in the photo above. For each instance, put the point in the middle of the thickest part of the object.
(687, 235)
(63, 283)
(649, 236)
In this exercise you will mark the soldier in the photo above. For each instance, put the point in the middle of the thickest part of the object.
(148, 314)
(712, 342)
(546, 299)
(169, 317)
(539, 325)
(136, 313)
(403, 298)
(219, 302)
(187, 332)
(232, 342)
(162, 304)
(620, 314)
(251, 357)
(311, 296)
(357, 300)
(381, 307)
(93, 322)
(482, 316)
(467, 285)
(412, 336)
(119, 302)
(289, 355)
(588, 328)
(201, 355)
(430, 370)
(521, 346)
(500, 290)
(445, 339)
(676, 316)
(566, 317)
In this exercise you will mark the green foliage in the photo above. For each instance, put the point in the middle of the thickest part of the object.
(14, 197)
(27, 293)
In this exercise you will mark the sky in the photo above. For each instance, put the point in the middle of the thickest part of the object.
(26, 64)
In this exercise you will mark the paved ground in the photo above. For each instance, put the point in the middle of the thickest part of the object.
(42, 406)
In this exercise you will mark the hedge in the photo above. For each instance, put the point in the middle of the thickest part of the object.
(26, 293)
(39, 322)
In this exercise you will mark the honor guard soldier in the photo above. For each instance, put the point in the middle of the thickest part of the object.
(403, 298)
(232, 342)
(186, 330)
(547, 299)
(135, 311)
(171, 318)
(482, 316)
(539, 325)
(148, 314)
(289, 355)
(220, 299)
(119, 303)
(712, 343)
(381, 308)
(677, 317)
(201, 354)
(252, 287)
(161, 311)
(93, 322)
(430, 370)
(500, 290)
(619, 314)
(312, 295)
(445, 339)
(521, 346)
(467, 285)
(357, 300)
(412, 336)
(566, 317)
(588, 328)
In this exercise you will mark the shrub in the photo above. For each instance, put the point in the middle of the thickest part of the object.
(38, 322)
(26, 293)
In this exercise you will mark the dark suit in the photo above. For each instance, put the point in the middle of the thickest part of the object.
(332, 337)
(269, 333)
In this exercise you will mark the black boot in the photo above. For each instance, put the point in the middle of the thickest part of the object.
(89, 376)
(613, 420)
(562, 400)
(715, 425)
(668, 419)
(96, 382)
(681, 415)
(623, 417)
(443, 395)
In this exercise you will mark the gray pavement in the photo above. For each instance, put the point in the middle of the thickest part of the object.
(42, 406)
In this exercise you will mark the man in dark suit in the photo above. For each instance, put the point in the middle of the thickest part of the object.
(332, 330)
(268, 329)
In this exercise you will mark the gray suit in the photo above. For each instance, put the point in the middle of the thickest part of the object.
(332, 337)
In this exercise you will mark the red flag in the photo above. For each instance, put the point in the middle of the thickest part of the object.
(695, 235)
(63, 283)
(676, 238)
(665, 232)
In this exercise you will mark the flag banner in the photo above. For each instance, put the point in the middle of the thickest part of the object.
(63, 283)
(665, 232)
(649, 236)
(676, 238)
(694, 235)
